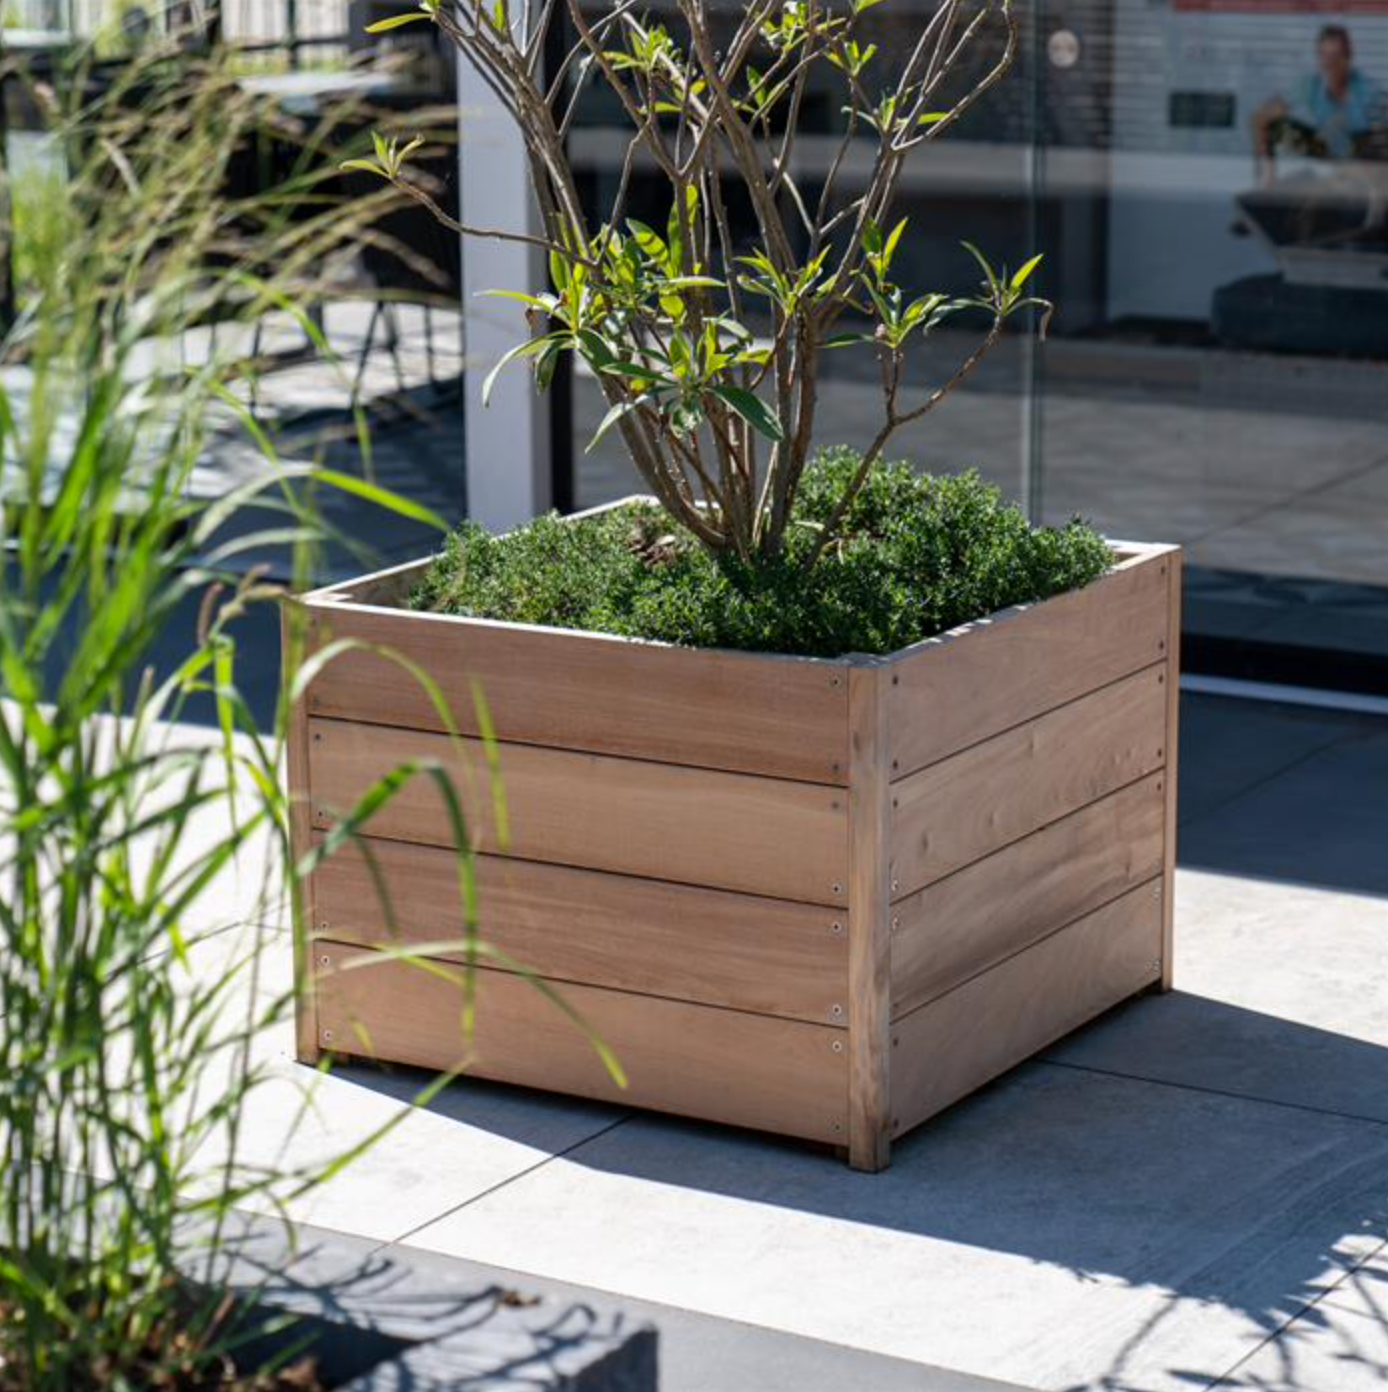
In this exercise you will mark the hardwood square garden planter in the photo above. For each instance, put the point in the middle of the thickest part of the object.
(824, 898)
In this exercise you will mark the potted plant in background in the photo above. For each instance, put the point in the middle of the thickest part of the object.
(923, 822)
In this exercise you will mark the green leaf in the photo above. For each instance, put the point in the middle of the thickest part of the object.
(933, 118)
(382, 497)
(1024, 274)
(622, 408)
(638, 372)
(843, 340)
(989, 275)
(753, 410)
(365, 165)
(383, 26)
(648, 239)
(522, 350)
(872, 237)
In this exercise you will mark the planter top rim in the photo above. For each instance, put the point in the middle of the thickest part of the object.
(341, 596)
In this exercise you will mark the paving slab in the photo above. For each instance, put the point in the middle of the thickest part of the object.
(1323, 820)
(1282, 994)
(1062, 1229)
(1229, 746)
(701, 1353)
(469, 1139)
(1340, 1344)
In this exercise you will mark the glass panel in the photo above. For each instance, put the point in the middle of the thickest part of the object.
(1215, 186)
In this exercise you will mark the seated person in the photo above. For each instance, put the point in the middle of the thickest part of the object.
(1330, 114)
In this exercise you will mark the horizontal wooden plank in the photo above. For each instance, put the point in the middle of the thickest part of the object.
(986, 677)
(781, 717)
(944, 1050)
(765, 836)
(971, 920)
(965, 807)
(747, 1070)
(771, 956)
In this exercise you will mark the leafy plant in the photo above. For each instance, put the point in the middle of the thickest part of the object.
(718, 421)
(915, 555)
(128, 1057)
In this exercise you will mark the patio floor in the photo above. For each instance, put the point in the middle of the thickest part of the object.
(1191, 1193)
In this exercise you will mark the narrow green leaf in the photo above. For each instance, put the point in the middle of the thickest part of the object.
(383, 26)
(1024, 274)
(753, 410)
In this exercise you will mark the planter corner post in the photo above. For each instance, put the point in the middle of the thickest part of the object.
(869, 918)
(294, 627)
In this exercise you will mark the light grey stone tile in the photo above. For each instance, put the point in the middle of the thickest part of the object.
(1063, 1229)
(1340, 1344)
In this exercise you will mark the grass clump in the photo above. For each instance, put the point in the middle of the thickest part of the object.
(918, 554)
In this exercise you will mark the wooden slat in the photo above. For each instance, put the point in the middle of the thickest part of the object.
(977, 917)
(746, 1070)
(944, 1050)
(971, 683)
(965, 807)
(292, 626)
(1173, 712)
(737, 950)
(782, 717)
(693, 826)
(869, 900)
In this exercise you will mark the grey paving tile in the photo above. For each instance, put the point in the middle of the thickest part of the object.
(1323, 821)
(1229, 746)
(1340, 1344)
(1063, 1229)
(701, 1353)
(422, 1161)
(1282, 994)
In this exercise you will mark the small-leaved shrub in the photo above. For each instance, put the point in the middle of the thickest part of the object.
(918, 554)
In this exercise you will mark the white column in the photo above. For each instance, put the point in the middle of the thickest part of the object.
(508, 441)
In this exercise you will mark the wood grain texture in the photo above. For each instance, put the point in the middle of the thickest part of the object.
(1173, 744)
(782, 717)
(869, 909)
(747, 1070)
(944, 1050)
(971, 920)
(957, 811)
(300, 833)
(738, 950)
(976, 681)
(693, 826)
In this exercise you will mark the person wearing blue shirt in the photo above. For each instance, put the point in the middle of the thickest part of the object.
(1330, 107)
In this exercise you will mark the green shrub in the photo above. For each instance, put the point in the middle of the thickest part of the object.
(918, 555)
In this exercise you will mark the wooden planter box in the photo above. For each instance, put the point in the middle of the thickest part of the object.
(821, 898)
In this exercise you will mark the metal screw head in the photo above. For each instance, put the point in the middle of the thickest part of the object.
(833, 681)
(836, 929)
(838, 1126)
(836, 1011)
(837, 1046)
(896, 925)
(836, 888)
(896, 885)
(325, 961)
(327, 1035)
